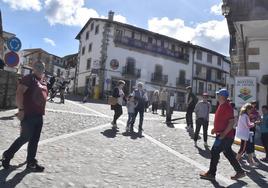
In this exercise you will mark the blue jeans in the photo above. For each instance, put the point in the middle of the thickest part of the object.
(141, 112)
(131, 117)
(31, 128)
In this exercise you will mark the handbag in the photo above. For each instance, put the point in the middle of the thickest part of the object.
(112, 100)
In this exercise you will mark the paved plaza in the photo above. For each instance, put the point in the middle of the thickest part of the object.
(79, 149)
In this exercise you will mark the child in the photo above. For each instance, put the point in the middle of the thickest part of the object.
(131, 105)
(243, 132)
(264, 131)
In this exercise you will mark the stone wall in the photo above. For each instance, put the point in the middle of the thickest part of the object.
(8, 85)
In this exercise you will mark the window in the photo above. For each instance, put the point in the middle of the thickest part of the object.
(219, 61)
(198, 69)
(199, 55)
(209, 87)
(162, 43)
(88, 63)
(90, 47)
(209, 58)
(201, 88)
(130, 64)
(219, 74)
(150, 40)
(182, 77)
(132, 34)
(119, 33)
(83, 50)
(92, 26)
(173, 47)
(97, 29)
(87, 35)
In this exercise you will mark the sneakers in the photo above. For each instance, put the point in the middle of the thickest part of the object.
(35, 167)
(114, 125)
(207, 176)
(5, 162)
(238, 175)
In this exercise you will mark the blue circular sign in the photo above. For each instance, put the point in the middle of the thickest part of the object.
(14, 44)
(12, 59)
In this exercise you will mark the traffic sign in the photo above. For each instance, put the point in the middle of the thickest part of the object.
(12, 59)
(14, 44)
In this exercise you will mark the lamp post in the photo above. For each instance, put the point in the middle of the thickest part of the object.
(225, 9)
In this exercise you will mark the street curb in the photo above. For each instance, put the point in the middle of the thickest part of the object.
(257, 147)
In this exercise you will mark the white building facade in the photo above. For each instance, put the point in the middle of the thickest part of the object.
(110, 51)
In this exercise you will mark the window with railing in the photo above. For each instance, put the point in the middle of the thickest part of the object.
(209, 58)
(87, 35)
(97, 29)
(199, 55)
(88, 63)
(90, 47)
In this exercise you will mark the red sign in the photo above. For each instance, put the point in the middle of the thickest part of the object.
(12, 59)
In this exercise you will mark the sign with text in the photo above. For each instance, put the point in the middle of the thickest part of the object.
(245, 90)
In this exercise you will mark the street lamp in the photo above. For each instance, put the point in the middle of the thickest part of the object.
(225, 9)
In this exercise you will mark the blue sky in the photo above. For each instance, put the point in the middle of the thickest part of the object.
(53, 24)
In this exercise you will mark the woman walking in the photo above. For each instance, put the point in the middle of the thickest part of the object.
(120, 96)
(243, 131)
(155, 100)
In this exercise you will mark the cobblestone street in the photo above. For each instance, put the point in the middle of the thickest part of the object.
(79, 149)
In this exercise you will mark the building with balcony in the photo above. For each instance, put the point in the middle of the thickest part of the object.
(248, 27)
(110, 50)
(211, 72)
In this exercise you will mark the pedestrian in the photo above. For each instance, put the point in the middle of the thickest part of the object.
(264, 131)
(155, 100)
(191, 101)
(63, 84)
(141, 97)
(223, 128)
(243, 132)
(254, 116)
(131, 105)
(87, 92)
(202, 110)
(31, 100)
(51, 83)
(118, 93)
(163, 100)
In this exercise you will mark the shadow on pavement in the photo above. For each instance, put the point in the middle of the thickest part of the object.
(13, 182)
(8, 117)
(204, 153)
(254, 175)
(110, 133)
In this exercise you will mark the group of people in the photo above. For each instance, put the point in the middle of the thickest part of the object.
(31, 98)
(136, 103)
(228, 124)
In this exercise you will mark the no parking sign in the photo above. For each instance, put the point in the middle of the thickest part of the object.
(12, 59)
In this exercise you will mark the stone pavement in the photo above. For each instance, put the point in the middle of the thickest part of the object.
(79, 149)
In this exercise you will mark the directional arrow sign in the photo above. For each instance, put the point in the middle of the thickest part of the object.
(14, 44)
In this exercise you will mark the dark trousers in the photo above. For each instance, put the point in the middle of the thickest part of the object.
(201, 122)
(30, 132)
(264, 139)
(189, 116)
(154, 106)
(117, 112)
(141, 112)
(163, 106)
(225, 146)
(250, 146)
(131, 119)
(62, 95)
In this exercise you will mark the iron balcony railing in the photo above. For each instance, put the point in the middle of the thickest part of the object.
(131, 72)
(151, 47)
(159, 78)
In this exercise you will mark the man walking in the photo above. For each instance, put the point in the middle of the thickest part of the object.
(191, 100)
(141, 96)
(31, 98)
(202, 110)
(223, 128)
(163, 100)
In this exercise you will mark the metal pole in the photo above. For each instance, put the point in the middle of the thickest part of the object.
(244, 50)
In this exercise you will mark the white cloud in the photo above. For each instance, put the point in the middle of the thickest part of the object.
(24, 4)
(212, 34)
(216, 9)
(71, 12)
(49, 41)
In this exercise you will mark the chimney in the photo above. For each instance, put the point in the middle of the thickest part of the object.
(111, 16)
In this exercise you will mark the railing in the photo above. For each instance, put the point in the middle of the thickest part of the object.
(151, 47)
(182, 82)
(130, 72)
(159, 78)
(201, 76)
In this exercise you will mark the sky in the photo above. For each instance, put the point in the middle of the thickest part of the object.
(53, 24)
